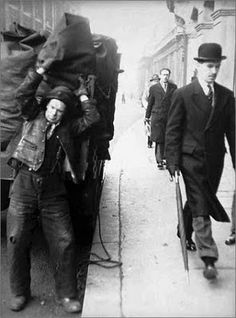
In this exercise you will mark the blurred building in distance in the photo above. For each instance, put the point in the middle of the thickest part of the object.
(33, 14)
(195, 22)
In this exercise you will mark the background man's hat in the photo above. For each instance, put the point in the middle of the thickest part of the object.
(209, 52)
(155, 77)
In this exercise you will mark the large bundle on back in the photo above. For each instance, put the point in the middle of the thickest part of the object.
(76, 51)
(106, 85)
(19, 50)
(70, 46)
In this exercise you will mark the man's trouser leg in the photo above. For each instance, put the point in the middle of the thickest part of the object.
(57, 227)
(149, 141)
(233, 215)
(159, 152)
(188, 220)
(203, 235)
(21, 222)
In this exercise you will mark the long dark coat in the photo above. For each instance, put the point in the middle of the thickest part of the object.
(158, 106)
(195, 137)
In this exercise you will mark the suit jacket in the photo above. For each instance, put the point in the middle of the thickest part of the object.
(195, 137)
(158, 106)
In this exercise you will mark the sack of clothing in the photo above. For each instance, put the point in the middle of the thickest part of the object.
(19, 50)
(70, 46)
(106, 85)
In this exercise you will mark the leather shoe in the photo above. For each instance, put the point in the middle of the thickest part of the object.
(230, 240)
(160, 166)
(70, 305)
(210, 272)
(190, 245)
(18, 303)
(164, 162)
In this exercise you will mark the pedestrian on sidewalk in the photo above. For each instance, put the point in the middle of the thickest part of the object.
(123, 98)
(154, 79)
(159, 101)
(231, 239)
(201, 115)
(38, 189)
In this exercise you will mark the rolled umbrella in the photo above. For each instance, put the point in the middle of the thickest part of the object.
(181, 225)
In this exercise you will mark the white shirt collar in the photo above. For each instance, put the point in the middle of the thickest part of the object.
(164, 85)
(204, 86)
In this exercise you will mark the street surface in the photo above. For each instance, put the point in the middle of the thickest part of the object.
(43, 304)
(138, 226)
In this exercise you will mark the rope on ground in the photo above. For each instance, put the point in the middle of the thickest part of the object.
(106, 262)
(101, 260)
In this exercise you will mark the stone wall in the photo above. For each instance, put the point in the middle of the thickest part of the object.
(221, 29)
(37, 14)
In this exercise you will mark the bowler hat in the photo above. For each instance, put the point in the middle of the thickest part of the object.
(209, 52)
(62, 93)
(155, 77)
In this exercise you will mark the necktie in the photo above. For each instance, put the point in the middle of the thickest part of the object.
(210, 95)
(165, 87)
(50, 129)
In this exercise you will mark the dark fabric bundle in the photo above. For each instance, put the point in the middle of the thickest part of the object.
(16, 33)
(107, 62)
(71, 46)
(19, 51)
(107, 70)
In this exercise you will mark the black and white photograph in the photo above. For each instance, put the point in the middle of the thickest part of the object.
(117, 129)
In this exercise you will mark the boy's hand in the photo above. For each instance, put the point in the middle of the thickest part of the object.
(43, 66)
(82, 90)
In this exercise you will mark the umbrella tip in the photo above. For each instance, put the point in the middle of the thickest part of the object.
(188, 277)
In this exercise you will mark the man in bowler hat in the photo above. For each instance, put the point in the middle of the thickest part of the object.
(201, 115)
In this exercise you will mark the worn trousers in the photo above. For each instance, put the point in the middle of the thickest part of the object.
(159, 152)
(34, 197)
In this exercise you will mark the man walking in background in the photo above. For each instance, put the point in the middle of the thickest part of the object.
(231, 239)
(155, 79)
(159, 101)
(201, 115)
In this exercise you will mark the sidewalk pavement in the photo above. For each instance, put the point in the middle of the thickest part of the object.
(138, 226)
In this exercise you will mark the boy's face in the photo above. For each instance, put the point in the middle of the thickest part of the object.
(208, 71)
(55, 111)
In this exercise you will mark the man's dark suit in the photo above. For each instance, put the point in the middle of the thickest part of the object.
(195, 136)
(158, 106)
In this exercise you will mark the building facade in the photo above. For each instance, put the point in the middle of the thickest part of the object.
(195, 22)
(34, 14)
